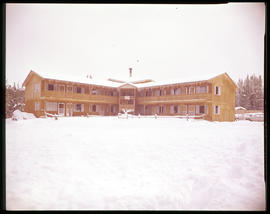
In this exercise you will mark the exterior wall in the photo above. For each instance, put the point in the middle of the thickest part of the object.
(146, 101)
(226, 99)
(32, 95)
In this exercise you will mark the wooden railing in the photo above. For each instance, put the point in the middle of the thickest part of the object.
(77, 96)
(172, 98)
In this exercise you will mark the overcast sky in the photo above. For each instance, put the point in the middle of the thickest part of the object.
(157, 41)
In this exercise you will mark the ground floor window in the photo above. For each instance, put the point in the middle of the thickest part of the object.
(184, 109)
(36, 106)
(51, 106)
(161, 109)
(200, 109)
(216, 109)
(95, 108)
(175, 109)
(79, 107)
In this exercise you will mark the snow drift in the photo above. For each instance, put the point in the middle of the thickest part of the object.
(140, 163)
(18, 115)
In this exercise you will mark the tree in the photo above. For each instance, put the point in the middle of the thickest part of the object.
(14, 99)
(250, 93)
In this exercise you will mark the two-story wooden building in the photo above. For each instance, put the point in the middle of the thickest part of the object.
(214, 97)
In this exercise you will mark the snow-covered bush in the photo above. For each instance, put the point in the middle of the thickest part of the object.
(18, 115)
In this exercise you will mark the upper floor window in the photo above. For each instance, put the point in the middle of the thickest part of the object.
(51, 87)
(191, 90)
(186, 90)
(61, 88)
(201, 89)
(69, 89)
(217, 90)
(79, 90)
(94, 91)
(177, 91)
(164, 92)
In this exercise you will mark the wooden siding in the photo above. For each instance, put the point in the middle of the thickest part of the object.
(175, 99)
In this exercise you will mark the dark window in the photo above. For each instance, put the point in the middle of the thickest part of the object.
(201, 109)
(50, 87)
(175, 108)
(94, 108)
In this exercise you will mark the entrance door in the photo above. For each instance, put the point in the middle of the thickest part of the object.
(69, 109)
(61, 109)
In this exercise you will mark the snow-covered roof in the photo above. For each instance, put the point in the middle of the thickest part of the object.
(79, 79)
(117, 82)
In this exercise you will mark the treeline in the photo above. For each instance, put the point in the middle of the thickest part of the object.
(250, 93)
(14, 99)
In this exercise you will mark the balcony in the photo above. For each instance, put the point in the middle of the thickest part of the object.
(79, 97)
(174, 98)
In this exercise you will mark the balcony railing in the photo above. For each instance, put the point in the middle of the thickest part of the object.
(172, 98)
(78, 96)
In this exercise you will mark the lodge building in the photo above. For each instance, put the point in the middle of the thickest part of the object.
(214, 98)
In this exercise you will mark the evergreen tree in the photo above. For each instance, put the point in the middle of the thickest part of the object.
(14, 99)
(250, 93)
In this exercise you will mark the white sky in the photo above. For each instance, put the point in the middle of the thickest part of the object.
(158, 41)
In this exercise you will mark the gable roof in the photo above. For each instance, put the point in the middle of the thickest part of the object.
(128, 84)
(228, 77)
(114, 83)
(29, 76)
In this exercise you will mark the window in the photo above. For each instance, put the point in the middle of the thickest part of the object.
(217, 90)
(79, 90)
(216, 109)
(158, 93)
(172, 91)
(51, 106)
(62, 88)
(186, 90)
(164, 92)
(177, 91)
(191, 90)
(201, 89)
(79, 107)
(175, 109)
(94, 91)
(69, 89)
(200, 109)
(94, 108)
(37, 87)
(36, 106)
(51, 87)
(161, 109)
(184, 109)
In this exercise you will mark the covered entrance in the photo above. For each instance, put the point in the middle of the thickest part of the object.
(69, 109)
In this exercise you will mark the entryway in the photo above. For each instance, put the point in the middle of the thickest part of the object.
(69, 109)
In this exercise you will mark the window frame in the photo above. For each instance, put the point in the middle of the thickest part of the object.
(219, 90)
(217, 107)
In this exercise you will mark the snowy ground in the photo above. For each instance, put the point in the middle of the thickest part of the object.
(140, 163)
